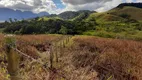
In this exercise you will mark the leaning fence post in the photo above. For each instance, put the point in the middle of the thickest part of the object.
(12, 57)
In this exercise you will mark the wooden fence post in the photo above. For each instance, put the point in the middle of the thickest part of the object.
(51, 56)
(56, 52)
(63, 44)
(12, 57)
(60, 48)
(67, 40)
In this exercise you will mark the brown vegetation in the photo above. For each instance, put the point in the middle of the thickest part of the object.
(109, 57)
(31, 44)
(83, 58)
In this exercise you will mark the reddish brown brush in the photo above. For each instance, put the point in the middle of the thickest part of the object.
(38, 38)
(88, 58)
(120, 58)
(31, 44)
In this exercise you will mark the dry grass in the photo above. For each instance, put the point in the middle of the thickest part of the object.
(109, 57)
(84, 58)
(1, 36)
(1, 39)
(31, 45)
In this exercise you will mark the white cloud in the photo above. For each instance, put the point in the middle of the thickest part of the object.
(73, 5)
(29, 5)
(79, 2)
(129, 0)
(109, 5)
(96, 5)
(139, 1)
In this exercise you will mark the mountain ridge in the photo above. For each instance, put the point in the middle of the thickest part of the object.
(138, 5)
(6, 13)
(123, 12)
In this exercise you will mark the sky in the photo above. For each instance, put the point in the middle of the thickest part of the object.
(58, 6)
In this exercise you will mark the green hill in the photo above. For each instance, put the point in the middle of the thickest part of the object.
(74, 14)
(119, 14)
(123, 22)
(69, 15)
(133, 12)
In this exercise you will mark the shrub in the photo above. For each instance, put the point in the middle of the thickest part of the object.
(104, 34)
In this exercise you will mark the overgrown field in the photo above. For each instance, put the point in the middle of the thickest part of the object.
(82, 58)
(119, 30)
(118, 59)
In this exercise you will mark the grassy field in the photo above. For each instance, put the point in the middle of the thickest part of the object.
(1, 29)
(83, 58)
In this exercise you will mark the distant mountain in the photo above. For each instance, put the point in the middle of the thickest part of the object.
(6, 13)
(43, 14)
(70, 15)
(74, 14)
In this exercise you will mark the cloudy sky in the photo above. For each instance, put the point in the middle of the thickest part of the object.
(58, 6)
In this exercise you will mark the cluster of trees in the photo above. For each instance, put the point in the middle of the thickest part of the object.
(73, 14)
(127, 18)
(51, 26)
(69, 22)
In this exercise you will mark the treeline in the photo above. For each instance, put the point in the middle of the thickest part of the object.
(138, 5)
(51, 26)
(73, 14)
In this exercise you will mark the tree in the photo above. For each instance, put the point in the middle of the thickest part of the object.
(10, 19)
(124, 15)
(63, 30)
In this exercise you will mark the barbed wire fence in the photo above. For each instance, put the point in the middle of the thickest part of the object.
(55, 51)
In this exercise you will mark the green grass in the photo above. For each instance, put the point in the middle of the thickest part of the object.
(137, 36)
(134, 35)
(1, 29)
(44, 18)
(100, 34)
(48, 18)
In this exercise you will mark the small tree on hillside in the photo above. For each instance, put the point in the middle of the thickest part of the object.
(126, 16)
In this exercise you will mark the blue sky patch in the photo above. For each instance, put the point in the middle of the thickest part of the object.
(59, 4)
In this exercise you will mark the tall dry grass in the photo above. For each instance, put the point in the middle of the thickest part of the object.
(31, 45)
(85, 58)
(109, 57)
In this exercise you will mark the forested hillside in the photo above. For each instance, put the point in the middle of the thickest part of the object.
(116, 23)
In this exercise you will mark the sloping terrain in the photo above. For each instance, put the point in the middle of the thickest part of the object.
(133, 12)
(74, 14)
(121, 13)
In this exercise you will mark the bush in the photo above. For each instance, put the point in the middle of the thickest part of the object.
(126, 16)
